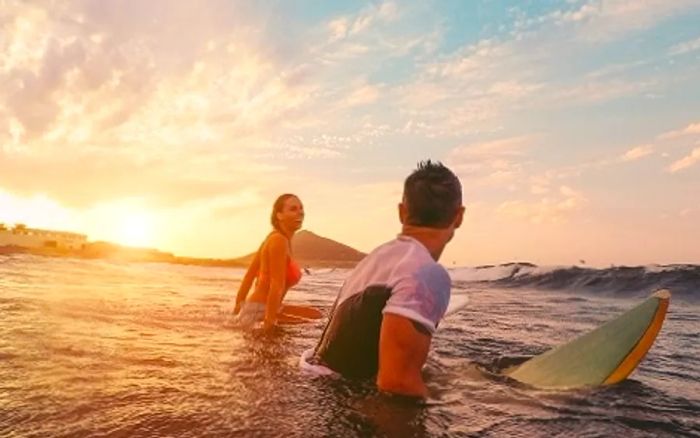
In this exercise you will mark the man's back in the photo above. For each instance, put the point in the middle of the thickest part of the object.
(399, 277)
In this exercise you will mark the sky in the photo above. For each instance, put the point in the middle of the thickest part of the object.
(574, 125)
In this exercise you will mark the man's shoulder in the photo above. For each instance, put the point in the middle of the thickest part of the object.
(401, 259)
(381, 254)
(403, 255)
(435, 274)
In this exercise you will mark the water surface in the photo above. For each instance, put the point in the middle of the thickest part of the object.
(97, 348)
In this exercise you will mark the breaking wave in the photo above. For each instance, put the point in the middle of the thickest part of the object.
(682, 280)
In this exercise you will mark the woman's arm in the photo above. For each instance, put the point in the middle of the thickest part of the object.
(277, 252)
(247, 282)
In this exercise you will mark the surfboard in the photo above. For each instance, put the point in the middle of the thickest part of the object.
(457, 303)
(603, 356)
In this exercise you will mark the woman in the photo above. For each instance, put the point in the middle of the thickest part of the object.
(275, 272)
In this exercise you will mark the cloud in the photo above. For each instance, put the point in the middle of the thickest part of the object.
(37, 211)
(513, 89)
(496, 162)
(616, 69)
(536, 67)
(607, 20)
(25, 36)
(689, 213)
(637, 152)
(506, 147)
(470, 90)
(104, 105)
(685, 47)
(83, 57)
(551, 209)
(235, 203)
(111, 77)
(685, 162)
(691, 129)
(586, 11)
(371, 38)
(540, 184)
(338, 28)
(344, 27)
(80, 180)
(363, 94)
(597, 91)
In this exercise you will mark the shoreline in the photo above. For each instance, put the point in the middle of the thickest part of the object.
(105, 251)
(136, 255)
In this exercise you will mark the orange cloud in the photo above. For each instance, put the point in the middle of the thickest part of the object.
(691, 129)
(685, 162)
(638, 152)
(545, 210)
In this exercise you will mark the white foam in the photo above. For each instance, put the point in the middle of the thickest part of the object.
(317, 370)
(481, 274)
(540, 270)
(493, 273)
(655, 269)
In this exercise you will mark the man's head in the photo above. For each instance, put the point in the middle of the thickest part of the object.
(432, 197)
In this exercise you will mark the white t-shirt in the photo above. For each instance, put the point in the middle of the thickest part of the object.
(399, 277)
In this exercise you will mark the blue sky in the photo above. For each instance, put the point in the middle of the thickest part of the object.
(573, 125)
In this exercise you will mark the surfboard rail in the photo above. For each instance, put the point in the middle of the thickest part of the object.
(635, 356)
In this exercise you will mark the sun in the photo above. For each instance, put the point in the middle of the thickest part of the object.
(135, 229)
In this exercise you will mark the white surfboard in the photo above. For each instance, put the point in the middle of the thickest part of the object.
(457, 303)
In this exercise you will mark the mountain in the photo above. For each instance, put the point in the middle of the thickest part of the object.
(311, 250)
(308, 249)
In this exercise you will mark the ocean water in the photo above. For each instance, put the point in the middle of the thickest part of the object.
(98, 348)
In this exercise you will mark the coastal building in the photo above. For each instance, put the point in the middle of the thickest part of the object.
(24, 237)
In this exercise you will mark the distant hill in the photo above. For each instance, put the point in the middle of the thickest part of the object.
(310, 249)
(113, 251)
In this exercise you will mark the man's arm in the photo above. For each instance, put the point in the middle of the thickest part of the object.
(403, 350)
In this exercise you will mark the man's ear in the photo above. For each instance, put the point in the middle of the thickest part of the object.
(459, 217)
(403, 213)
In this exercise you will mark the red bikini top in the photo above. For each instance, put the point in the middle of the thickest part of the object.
(292, 276)
(293, 272)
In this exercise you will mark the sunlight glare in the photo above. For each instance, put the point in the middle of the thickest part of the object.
(135, 229)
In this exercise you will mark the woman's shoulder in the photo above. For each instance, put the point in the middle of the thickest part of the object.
(275, 239)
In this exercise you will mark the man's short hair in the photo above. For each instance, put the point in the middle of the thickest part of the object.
(432, 195)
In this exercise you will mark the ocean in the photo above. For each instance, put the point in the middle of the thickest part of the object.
(95, 348)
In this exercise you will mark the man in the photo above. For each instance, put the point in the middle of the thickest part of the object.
(387, 310)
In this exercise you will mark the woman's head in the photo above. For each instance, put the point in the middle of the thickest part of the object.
(287, 213)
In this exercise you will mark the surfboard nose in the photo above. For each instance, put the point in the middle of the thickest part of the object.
(663, 294)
